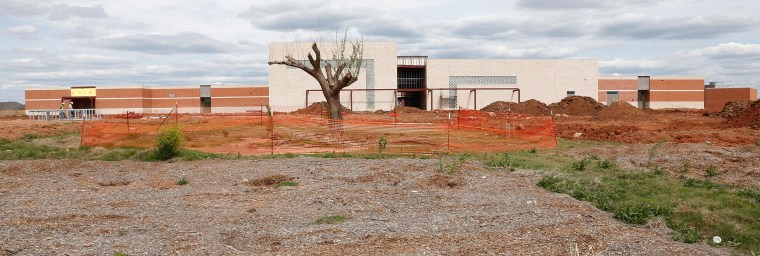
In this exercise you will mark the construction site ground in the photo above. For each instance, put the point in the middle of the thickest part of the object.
(397, 206)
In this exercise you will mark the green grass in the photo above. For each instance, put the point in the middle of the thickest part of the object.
(712, 171)
(25, 150)
(182, 181)
(694, 209)
(331, 219)
(120, 253)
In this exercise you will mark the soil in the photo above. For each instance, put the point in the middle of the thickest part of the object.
(621, 111)
(529, 107)
(393, 206)
(407, 110)
(317, 108)
(749, 117)
(732, 109)
(576, 106)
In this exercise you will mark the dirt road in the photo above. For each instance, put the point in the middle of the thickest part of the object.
(398, 206)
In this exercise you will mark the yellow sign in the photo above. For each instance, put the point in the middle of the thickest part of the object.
(82, 92)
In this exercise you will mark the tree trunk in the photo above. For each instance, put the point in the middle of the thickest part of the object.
(334, 107)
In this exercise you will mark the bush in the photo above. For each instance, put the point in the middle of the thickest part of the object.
(168, 142)
(580, 165)
(606, 164)
(712, 171)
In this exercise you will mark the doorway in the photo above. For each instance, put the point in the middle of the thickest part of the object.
(412, 78)
(643, 99)
(612, 97)
(205, 104)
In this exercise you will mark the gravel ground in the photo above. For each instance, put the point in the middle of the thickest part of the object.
(396, 206)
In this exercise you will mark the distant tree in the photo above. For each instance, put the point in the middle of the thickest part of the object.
(332, 74)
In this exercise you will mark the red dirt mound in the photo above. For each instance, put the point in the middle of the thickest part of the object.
(405, 109)
(576, 106)
(317, 108)
(749, 117)
(620, 111)
(734, 108)
(529, 107)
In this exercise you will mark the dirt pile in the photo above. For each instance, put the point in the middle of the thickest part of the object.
(576, 106)
(734, 108)
(406, 110)
(317, 108)
(529, 107)
(749, 117)
(620, 111)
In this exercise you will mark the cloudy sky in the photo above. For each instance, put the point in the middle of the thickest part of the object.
(171, 42)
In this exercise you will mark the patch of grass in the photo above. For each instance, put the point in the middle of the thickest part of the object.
(712, 171)
(331, 219)
(120, 253)
(533, 151)
(694, 209)
(750, 193)
(24, 150)
(182, 181)
(287, 184)
(119, 154)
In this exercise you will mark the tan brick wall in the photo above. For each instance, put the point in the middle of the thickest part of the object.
(178, 92)
(119, 103)
(716, 98)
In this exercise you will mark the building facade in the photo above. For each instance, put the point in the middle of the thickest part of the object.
(653, 92)
(144, 99)
(389, 80)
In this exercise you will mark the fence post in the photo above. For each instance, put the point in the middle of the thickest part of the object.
(448, 135)
(271, 134)
(261, 114)
(81, 136)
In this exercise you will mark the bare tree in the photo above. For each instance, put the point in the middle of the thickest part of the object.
(339, 72)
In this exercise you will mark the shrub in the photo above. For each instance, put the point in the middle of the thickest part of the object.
(381, 143)
(168, 142)
(183, 181)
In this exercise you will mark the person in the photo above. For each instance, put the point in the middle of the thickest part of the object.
(61, 114)
(71, 109)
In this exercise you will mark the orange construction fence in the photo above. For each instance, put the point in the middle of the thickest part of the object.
(423, 132)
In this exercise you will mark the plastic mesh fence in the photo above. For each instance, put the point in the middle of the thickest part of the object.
(420, 132)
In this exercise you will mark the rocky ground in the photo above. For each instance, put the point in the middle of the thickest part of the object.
(398, 206)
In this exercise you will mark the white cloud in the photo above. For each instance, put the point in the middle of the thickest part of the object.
(186, 42)
(23, 30)
(727, 51)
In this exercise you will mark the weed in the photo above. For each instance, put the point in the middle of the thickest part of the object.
(331, 219)
(448, 166)
(182, 181)
(168, 142)
(757, 143)
(120, 253)
(657, 171)
(381, 144)
(686, 167)
(287, 184)
(533, 151)
(580, 165)
(712, 171)
(606, 164)
(682, 233)
(594, 158)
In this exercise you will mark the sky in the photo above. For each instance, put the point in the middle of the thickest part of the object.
(170, 42)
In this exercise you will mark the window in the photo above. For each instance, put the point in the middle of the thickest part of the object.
(570, 93)
(171, 95)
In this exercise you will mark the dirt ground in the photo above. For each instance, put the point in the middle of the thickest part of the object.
(395, 206)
